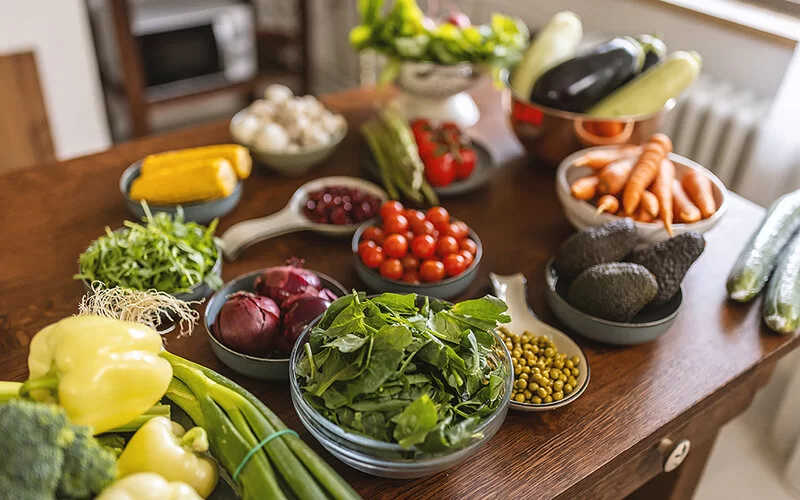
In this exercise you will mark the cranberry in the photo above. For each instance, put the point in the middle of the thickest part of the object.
(340, 205)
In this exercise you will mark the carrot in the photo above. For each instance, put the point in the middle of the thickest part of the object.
(662, 189)
(649, 203)
(698, 187)
(685, 210)
(643, 174)
(607, 203)
(612, 179)
(663, 140)
(641, 215)
(600, 158)
(584, 188)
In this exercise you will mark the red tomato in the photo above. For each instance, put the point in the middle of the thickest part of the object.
(447, 245)
(431, 270)
(450, 126)
(391, 269)
(413, 215)
(468, 245)
(395, 223)
(422, 130)
(467, 256)
(428, 146)
(440, 170)
(373, 233)
(422, 227)
(423, 246)
(391, 207)
(395, 245)
(438, 215)
(372, 257)
(467, 162)
(411, 277)
(421, 124)
(364, 245)
(458, 230)
(454, 264)
(410, 263)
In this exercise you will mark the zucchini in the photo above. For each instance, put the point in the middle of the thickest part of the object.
(759, 257)
(648, 93)
(555, 43)
(782, 299)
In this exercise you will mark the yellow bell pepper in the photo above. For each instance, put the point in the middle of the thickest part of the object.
(148, 486)
(164, 447)
(104, 372)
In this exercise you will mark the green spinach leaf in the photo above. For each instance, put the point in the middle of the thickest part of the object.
(415, 422)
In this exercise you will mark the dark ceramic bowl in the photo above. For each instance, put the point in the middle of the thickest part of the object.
(251, 366)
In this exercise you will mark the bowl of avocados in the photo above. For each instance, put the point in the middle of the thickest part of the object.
(604, 287)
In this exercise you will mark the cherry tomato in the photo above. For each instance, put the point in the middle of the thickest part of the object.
(410, 235)
(458, 230)
(413, 215)
(411, 277)
(468, 245)
(440, 169)
(454, 264)
(423, 246)
(373, 233)
(395, 245)
(391, 269)
(410, 263)
(391, 207)
(422, 226)
(466, 165)
(372, 257)
(438, 215)
(431, 270)
(364, 245)
(467, 256)
(447, 245)
(395, 223)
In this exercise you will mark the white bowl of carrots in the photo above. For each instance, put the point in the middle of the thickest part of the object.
(664, 193)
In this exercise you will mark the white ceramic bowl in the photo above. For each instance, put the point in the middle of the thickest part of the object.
(581, 214)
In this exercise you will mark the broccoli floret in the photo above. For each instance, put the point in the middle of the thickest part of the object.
(88, 466)
(44, 455)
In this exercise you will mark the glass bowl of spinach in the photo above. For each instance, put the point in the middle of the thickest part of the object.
(161, 253)
(402, 386)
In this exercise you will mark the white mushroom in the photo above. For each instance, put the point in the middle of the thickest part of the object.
(263, 109)
(273, 137)
(315, 136)
(289, 111)
(278, 93)
(313, 108)
(246, 128)
(332, 124)
(296, 127)
(293, 148)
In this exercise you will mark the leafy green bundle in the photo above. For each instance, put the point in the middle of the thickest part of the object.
(164, 253)
(407, 370)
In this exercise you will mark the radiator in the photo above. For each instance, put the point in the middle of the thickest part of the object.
(716, 125)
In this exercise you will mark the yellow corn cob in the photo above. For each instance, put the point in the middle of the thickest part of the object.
(192, 181)
(237, 155)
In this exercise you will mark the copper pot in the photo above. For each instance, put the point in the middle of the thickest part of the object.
(551, 135)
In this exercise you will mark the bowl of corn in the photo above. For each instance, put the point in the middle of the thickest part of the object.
(205, 181)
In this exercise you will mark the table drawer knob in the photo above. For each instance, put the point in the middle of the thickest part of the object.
(677, 454)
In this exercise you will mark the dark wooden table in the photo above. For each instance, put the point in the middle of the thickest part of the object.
(609, 443)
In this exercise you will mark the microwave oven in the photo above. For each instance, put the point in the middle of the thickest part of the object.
(184, 45)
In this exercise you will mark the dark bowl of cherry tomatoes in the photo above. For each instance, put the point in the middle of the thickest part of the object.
(415, 251)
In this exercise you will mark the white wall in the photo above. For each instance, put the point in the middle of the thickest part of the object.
(58, 32)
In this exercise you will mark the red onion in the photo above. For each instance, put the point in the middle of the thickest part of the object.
(280, 283)
(298, 312)
(249, 324)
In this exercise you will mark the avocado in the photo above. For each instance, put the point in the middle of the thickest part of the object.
(595, 245)
(613, 290)
(669, 260)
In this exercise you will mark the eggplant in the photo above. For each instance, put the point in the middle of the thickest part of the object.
(655, 51)
(579, 83)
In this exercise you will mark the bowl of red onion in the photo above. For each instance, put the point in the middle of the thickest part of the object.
(254, 320)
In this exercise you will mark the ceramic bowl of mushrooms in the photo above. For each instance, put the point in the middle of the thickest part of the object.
(289, 134)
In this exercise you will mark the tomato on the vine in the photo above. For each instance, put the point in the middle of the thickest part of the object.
(454, 264)
(438, 215)
(364, 245)
(391, 269)
(468, 245)
(374, 233)
(391, 207)
(373, 257)
(395, 245)
(431, 270)
(465, 162)
(428, 147)
(447, 245)
(395, 223)
(423, 246)
(458, 230)
(440, 169)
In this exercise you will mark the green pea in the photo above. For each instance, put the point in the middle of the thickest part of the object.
(549, 352)
(567, 388)
(536, 400)
(573, 382)
(558, 385)
(519, 398)
(558, 395)
(541, 392)
(548, 399)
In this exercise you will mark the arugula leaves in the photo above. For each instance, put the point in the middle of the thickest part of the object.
(400, 368)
